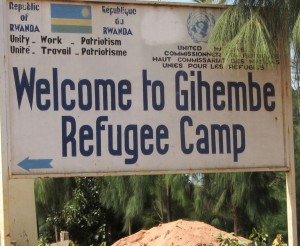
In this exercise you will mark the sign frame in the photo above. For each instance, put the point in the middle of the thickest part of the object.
(285, 119)
(6, 173)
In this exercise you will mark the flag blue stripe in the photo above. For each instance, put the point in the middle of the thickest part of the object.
(69, 11)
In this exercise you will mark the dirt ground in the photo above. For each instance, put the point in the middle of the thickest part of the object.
(177, 233)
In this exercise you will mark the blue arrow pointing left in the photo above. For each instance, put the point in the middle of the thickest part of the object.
(28, 164)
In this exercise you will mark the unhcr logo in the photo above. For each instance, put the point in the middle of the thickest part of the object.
(199, 25)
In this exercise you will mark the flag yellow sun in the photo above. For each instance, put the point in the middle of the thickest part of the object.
(85, 12)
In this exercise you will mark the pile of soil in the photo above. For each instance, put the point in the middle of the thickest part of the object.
(177, 233)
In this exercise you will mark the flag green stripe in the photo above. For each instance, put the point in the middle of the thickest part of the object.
(71, 29)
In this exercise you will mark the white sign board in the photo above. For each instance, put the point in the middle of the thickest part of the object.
(102, 88)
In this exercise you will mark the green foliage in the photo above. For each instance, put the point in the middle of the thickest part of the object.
(227, 241)
(73, 205)
(258, 238)
(296, 35)
(99, 207)
(42, 242)
(261, 29)
(242, 31)
(143, 200)
(126, 197)
(51, 195)
(241, 199)
(83, 215)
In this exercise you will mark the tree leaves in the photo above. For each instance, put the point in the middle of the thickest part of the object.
(259, 29)
(296, 35)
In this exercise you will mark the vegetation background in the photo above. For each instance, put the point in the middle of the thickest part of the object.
(104, 209)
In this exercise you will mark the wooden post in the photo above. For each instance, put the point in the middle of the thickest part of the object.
(289, 145)
(291, 208)
(290, 174)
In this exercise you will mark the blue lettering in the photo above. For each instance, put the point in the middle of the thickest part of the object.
(253, 85)
(146, 133)
(42, 87)
(218, 135)
(269, 91)
(162, 133)
(222, 130)
(99, 129)
(118, 150)
(158, 102)
(131, 148)
(24, 84)
(68, 136)
(185, 149)
(55, 89)
(238, 138)
(84, 83)
(23, 28)
(202, 143)
(219, 90)
(85, 133)
(105, 84)
(179, 92)
(65, 105)
(124, 88)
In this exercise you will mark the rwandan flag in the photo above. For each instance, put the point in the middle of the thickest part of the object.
(71, 18)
